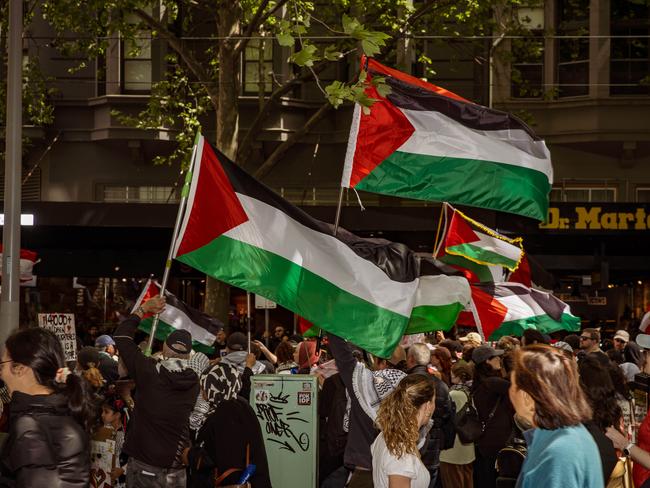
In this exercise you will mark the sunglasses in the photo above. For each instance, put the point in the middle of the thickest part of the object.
(620, 340)
(585, 338)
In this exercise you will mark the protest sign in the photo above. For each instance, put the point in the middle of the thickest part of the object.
(286, 409)
(62, 324)
(103, 458)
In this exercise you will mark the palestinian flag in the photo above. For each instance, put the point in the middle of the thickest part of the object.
(433, 310)
(27, 261)
(238, 231)
(424, 142)
(510, 308)
(178, 315)
(471, 240)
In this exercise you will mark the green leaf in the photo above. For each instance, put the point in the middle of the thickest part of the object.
(384, 90)
(285, 39)
(306, 56)
(331, 53)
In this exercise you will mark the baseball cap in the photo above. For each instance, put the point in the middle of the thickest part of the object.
(237, 341)
(643, 340)
(104, 340)
(622, 335)
(472, 337)
(179, 341)
(485, 352)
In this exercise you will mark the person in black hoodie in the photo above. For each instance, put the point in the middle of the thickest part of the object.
(51, 415)
(165, 394)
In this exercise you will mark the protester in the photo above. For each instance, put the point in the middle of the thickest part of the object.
(455, 349)
(490, 396)
(306, 356)
(441, 360)
(52, 412)
(219, 343)
(472, 339)
(573, 340)
(285, 363)
(231, 437)
(395, 457)
(545, 392)
(621, 338)
(107, 358)
(115, 415)
(332, 414)
(532, 336)
(590, 341)
(456, 464)
(442, 432)
(279, 336)
(236, 352)
(366, 390)
(165, 395)
(87, 362)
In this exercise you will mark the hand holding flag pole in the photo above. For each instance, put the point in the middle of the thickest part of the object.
(170, 255)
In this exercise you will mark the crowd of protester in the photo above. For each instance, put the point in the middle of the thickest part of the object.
(441, 412)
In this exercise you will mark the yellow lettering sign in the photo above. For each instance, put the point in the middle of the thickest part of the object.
(588, 220)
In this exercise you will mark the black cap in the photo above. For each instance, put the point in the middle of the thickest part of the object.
(485, 352)
(237, 341)
(179, 341)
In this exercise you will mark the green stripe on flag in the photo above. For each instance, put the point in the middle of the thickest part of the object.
(482, 271)
(472, 252)
(367, 325)
(428, 318)
(484, 184)
(163, 330)
(542, 323)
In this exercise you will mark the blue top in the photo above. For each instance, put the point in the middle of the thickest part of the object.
(561, 458)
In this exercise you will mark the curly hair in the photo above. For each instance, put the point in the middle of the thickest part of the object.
(397, 415)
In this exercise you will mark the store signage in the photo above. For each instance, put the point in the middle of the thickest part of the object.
(597, 217)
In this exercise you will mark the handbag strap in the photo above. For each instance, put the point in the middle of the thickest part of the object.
(228, 472)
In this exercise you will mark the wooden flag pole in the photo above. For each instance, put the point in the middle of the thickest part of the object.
(170, 255)
(438, 241)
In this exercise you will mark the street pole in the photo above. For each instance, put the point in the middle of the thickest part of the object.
(10, 296)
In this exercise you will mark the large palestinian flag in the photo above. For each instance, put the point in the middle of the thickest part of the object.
(238, 231)
(424, 142)
(179, 315)
(510, 308)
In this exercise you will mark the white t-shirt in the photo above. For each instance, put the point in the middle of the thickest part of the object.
(385, 464)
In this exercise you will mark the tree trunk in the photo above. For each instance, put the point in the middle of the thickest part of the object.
(217, 293)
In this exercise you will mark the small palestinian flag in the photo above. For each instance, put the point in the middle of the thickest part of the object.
(424, 142)
(510, 308)
(364, 290)
(471, 240)
(27, 261)
(179, 315)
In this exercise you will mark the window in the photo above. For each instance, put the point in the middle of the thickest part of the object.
(630, 53)
(136, 61)
(583, 194)
(527, 75)
(258, 65)
(643, 194)
(573, 47)
(137, 194)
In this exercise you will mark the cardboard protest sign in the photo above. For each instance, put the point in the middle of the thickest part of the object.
(102, 457)
(286, 408)
(63, 325)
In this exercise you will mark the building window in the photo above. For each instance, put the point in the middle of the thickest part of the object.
(258, 65)
(137, 194)
(583, 194)
(630, 48)
(527, 75)
(573, 47)
(136, 61)
(643, 194)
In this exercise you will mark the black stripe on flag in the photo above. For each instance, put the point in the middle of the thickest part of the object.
(399, 262)
(199, 318)
(477, 117)
(551, 305)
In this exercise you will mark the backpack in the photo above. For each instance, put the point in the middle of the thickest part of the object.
(469, 426)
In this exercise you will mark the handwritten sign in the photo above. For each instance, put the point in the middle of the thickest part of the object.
(286, 408)
(62, 324)
(103, 458)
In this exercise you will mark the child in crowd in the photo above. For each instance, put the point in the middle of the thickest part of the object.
(115, 416)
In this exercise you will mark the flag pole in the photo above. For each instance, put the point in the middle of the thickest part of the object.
(337, 218)
(170, 254)
(438, 242)
(248, 318)
(477, 319)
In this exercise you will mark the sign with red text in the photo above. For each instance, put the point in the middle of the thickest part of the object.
(62, 324)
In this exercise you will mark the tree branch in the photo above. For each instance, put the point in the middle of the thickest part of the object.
(177, 45)
(245, 147)
(258, 19)
(276, 155)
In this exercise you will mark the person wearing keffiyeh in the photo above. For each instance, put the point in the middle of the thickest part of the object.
(229, 417)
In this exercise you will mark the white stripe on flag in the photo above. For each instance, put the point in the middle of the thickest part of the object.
(179, 320)
(322, 254)
(352, 146)
(442, 290)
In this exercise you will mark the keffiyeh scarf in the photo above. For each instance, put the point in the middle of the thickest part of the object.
(220, 382)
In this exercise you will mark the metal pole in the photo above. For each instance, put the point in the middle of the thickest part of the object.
(248, 318)
(266, 325)
(170, 255)
(337, 219)
(10, 297)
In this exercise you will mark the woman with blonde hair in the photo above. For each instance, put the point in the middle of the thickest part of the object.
(395, 457)
(546, 393)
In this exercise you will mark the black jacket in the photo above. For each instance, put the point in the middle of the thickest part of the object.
(46, 447)
(488, 393)
(164, 399)
(108, 368)
(221, 444)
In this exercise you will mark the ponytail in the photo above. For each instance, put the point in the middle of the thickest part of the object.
(93, 376)
(81, 400)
